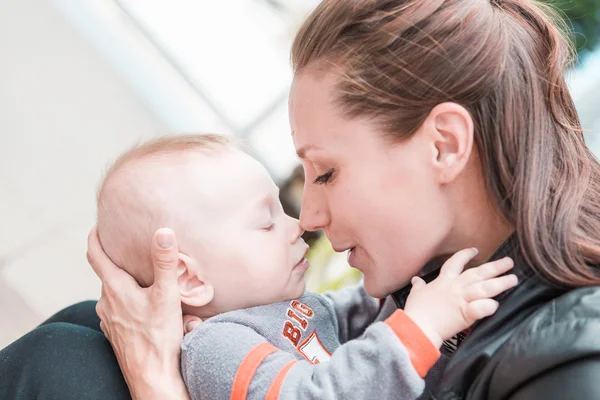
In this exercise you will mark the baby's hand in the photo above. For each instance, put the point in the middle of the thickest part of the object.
(455, 299)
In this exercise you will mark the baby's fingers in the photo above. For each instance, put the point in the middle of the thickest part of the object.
(490, 288)
(456, 264)
(487, 271)
(417, 282)
(479, 309)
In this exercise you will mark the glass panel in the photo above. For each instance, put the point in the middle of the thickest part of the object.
(272, 142)
(230, 50)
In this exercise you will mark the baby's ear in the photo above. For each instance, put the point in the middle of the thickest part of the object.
(194, 290)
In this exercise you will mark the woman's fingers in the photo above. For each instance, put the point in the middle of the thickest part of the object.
(103, 328)
(106, 270)
(96, 256)
(165, 258)
(490, 288)
(100, 309)
(141, 324)
(455, 264)
(190, 322)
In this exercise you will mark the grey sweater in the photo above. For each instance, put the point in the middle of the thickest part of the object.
(340, 345)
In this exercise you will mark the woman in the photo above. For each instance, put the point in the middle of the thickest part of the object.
(424, 127)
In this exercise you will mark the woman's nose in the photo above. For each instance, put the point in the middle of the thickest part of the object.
(313, 214)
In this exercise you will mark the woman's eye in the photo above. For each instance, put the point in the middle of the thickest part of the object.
(321, 179)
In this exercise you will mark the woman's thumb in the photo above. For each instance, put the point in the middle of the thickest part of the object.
(165, 257)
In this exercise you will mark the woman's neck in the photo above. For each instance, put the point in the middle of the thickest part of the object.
(488, 238)
(478, 221)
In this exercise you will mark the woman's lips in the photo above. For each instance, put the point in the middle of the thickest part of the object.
(352, 257)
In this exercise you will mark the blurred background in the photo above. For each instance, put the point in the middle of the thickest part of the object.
(82, 80)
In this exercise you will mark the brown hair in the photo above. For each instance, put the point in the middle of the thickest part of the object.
(131, 208)
(504, 62)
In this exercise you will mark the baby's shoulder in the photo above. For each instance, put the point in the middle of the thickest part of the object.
(309, 305)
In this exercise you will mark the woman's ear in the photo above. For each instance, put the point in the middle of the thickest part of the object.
(195, 291)
(451, 127)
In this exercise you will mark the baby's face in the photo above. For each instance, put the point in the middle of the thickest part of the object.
(250, 250)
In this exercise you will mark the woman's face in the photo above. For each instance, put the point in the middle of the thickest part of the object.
(382, 201)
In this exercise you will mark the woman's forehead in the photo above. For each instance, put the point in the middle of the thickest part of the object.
(312, 91)
(313, 117)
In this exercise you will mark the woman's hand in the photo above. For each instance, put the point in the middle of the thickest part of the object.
(190, 322)
(144, 325)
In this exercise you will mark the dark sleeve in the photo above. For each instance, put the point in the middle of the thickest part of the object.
(579, 380)
(64, 361)
(82, 314)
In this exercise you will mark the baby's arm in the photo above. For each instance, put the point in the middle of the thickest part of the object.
(388, 361)
(455, 299)
(228, 360)
(354, 310)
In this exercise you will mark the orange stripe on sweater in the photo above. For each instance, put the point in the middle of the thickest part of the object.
(247, 369)
(275, 387)
(422, 352)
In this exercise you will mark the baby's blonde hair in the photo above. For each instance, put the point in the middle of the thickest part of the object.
(131, 205)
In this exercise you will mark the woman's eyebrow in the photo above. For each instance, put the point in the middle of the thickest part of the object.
(301, 152)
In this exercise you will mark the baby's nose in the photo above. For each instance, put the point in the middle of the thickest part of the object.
(296, 230)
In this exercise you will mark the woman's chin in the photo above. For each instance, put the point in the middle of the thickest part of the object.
(381, 288)
(374, 288)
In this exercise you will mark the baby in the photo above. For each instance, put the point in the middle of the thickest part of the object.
(241, 269)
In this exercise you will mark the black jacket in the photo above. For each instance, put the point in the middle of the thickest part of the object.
(542, 343)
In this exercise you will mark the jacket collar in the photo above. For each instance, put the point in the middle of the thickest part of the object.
(510, 248)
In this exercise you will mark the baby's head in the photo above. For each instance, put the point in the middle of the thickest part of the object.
(237, 247)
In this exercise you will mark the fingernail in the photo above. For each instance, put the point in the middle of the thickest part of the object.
(165, 239)
(190, 326)
(475, 250)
